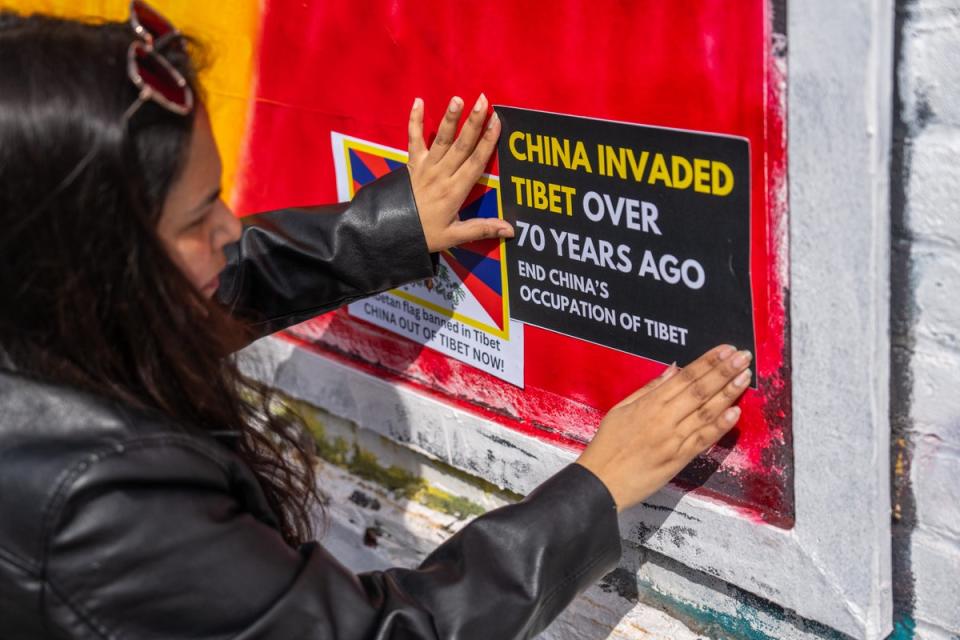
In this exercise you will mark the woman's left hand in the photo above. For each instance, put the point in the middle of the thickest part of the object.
(443, 175)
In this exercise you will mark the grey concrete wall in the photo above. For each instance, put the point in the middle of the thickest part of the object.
(926, 318)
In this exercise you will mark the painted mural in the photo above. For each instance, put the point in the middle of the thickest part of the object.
(609, 61)
(289, 80)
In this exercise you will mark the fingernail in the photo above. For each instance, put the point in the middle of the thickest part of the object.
(493, 119)
(672, 369)
(726, 351)
(732, 414)
(479, 104)
(742, 358)
(742, 379)
(417, 103)
(455, 104)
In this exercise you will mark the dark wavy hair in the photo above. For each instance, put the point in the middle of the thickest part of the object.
(88, 295)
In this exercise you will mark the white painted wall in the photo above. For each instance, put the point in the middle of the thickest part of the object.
(928, 235)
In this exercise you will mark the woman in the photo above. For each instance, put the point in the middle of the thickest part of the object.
(149, 490)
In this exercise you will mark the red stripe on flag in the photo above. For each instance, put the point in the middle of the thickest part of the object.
(487, 297)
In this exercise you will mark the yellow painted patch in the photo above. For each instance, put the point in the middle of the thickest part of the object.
(227, 28)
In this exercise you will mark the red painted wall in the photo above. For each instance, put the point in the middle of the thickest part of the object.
(356, 67)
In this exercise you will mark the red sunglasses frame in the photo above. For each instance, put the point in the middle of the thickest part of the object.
(161, 81)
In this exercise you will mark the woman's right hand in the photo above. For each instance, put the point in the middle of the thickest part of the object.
(651, 435)
(443, 174)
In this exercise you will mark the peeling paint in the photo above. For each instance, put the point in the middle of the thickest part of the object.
(621, 582)
(364, 500)
(394, 479)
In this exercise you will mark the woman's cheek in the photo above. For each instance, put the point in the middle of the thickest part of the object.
(194, 256)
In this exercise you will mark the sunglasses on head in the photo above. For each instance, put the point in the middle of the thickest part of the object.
(156, 78)
(150, 72)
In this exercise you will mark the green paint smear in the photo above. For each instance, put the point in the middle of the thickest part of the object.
(719, 625)
(903, 629)
(399, 481)
(745, 624)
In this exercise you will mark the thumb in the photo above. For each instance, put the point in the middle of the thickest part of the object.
(464, 231)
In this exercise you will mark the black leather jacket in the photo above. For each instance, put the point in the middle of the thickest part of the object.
(117, 525)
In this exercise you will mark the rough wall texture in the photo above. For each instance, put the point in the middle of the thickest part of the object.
(390, 506)
(926, 318)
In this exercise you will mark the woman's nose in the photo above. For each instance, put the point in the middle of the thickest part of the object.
(227, 227)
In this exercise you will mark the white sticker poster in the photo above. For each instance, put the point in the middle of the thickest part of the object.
(463, 311)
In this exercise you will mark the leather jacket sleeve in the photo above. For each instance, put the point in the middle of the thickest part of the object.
(149, 540)
(293, 264)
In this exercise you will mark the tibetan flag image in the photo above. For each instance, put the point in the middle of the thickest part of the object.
(463, 310)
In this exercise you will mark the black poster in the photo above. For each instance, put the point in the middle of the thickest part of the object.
(632, 237)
